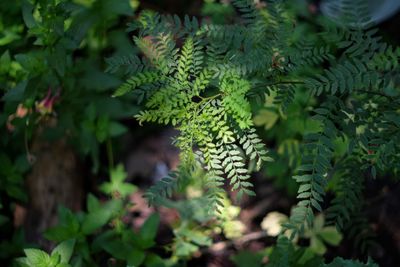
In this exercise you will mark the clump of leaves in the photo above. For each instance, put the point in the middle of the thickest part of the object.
(59, 257)
(100, 231)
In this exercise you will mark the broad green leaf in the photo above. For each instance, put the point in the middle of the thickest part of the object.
(27, 14)
(65, 250)
(136, 257)
(99, 218)
(37, 257)
(317, 245)
(148, 231)
(93, 203)
(330, 235)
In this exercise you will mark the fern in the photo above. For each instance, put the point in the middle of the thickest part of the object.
(339, 262)
(313, 173)
(348, 200)
(131, 63)
(248, 10)
(254, 148)
(136, 81)
(200, 78)
(163, 188)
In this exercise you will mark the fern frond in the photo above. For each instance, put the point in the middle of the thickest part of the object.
(313, 173)
(254, 148)
(348, 199)
(234, 100)
(131, 63)
(309, 55)
(215, 192)
(284, 95)
(247, 9)
(342, 78)
(136, 81)
(359, 230)
(163, 188)
(387, 59)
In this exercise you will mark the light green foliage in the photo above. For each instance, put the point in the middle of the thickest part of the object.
(117, 186)
(321, 234)
(187, 241)
(218, 125)
(59, 257)
(229, 222)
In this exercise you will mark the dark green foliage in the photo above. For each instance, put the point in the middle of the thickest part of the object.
(349, 263)
(348, 199)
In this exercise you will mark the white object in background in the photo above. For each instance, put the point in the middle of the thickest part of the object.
(379, 9)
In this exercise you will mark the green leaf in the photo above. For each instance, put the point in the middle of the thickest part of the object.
(37, 257)
(136, 257)
(148, 231)
(16, 93)
(65, 250)
(304, 187)
(27, 14)
(102, 128)
(330, 235)
(316, 204)
(22, 262)
(116, 129)
(302, 178)
(196, 237)
(373, 172)
(304, 195)
(93, 203)
(118, 174)
(248, 259)
(305, 167)
(185, 249)
(317, 246)
(153, 260)
(99, 218)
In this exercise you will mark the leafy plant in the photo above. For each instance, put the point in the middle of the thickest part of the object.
(52, 87)
(102, 229)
